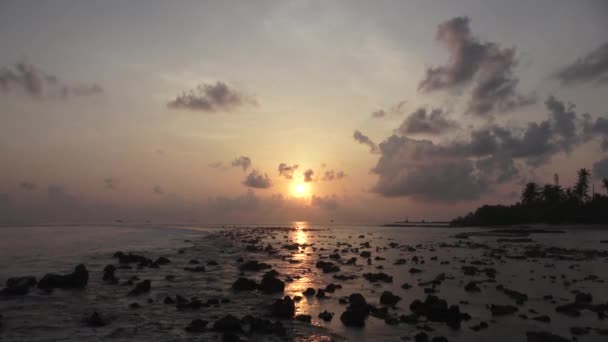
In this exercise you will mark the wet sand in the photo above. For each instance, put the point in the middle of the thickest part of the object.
(507, 286)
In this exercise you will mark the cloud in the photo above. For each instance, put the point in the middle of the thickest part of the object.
(243, 162)
(486, 64)
(28, 186)
(158, 190)
(211, 98)
(599, 128)
(330, 175)
(27, 79)
(325, 202)
(464, 169)
(426, 122)
(308, 174)
(248, 201)
(257, 180)
(216, 165)
(365, 140)
(287, 171)
(591, 68)
(600, 169)
(111, 183)
(396, 109)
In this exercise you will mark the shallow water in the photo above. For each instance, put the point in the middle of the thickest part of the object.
(57, 316)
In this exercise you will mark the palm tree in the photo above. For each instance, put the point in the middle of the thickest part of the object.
(605, 183)
(551, 193)
(582, 185)
(530, 193)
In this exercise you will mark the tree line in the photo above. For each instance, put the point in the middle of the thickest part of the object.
(550, 203)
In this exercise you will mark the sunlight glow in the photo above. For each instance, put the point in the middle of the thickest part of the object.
(300, 190)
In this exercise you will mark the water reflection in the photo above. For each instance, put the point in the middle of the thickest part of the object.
(302, 266)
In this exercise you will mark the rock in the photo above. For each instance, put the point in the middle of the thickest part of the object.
(309, 292)
(231, 337)
(197, 325)
(437, 310)
(406, 286)
(414, 270)
(519, 297)
(284, 308)
(320, 294)
(244, 284)
(108, 274)
(212, 263)
(583, 298)
(375, 277)
(77, 279)
(327, 266)
(254, 266)
(270, 284)
(356, 312)
(18, 286)
(95, 320)
(543, 318)
(303, 318)
(365, 254)
(134, 306)
(195, 269)
(168, 300)
(502, 310)
(332, 287)
(388, 298)
(227, 323)
(439, 339)
(140, 288)
(326, 316)
(543, 336)
(162, 261)
(472, 287)
(131, 258)
(421, 337)
(263, 326)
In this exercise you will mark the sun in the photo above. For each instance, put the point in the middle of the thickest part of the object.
(300, 189)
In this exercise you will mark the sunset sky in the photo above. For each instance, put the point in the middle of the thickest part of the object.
(276, 111)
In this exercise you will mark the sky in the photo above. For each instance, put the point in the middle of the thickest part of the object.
(279, 111)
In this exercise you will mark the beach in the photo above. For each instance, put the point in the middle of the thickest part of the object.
(506, 285)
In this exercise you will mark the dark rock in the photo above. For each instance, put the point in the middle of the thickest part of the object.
(356, 312)
(168, 300)
(421, 337)
(77, 279)
(415, 270)
(254, 265)
(18, 286)
(270, 284)
(244, 284)
(227, 323)
(140, 288)
(439, 339)
(327, 266)
(212, 263)
(543, 318)
(195, 269)
(406, 286)
(375, 277)
(108, 274)
(583, 298)
(309, 292)
(472, 287)
(365, 254)
(303, 318)
(502, 310)
(543, 336)
(197, 325)
(284, 308)
(332, 287)
(320, 294)
(326, 316)
(134, 306)
(388, 298)
(437, 310)
(95, 320)
(519, 297)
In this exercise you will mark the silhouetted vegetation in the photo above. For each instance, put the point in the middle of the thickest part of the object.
(545, 204)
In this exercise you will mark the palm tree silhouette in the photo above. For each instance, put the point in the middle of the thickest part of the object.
(530, 193)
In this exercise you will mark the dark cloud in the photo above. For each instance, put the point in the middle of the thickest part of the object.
(464, 169)
(597, 128)
(110, 183)
(486, 64)
(216, 165)
(330, 175)
(325, 202)
(211, 98)
(287, 171)
(243, 162)
(308, 174)
(249, 201)
(365, 140)
(592, 68)
(28, 186)
(257, 180)
(426, 122)
(600, 169)
(27, 79)
(158, 190)
(396, 110)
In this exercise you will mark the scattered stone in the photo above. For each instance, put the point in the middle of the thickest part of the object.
(309, 292)
(375, 277)
(227, 323)
(437, 310)
(388, 298)
(284, 308)
(76, 280)
(254, 266)
(271, 284)
(327, 266)
(95, 320)
(502, 310)
(543, 336)
(196, 326)
(18, 286)
(140, 288)
(326, 316)
(303, 318)
(244, 284)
